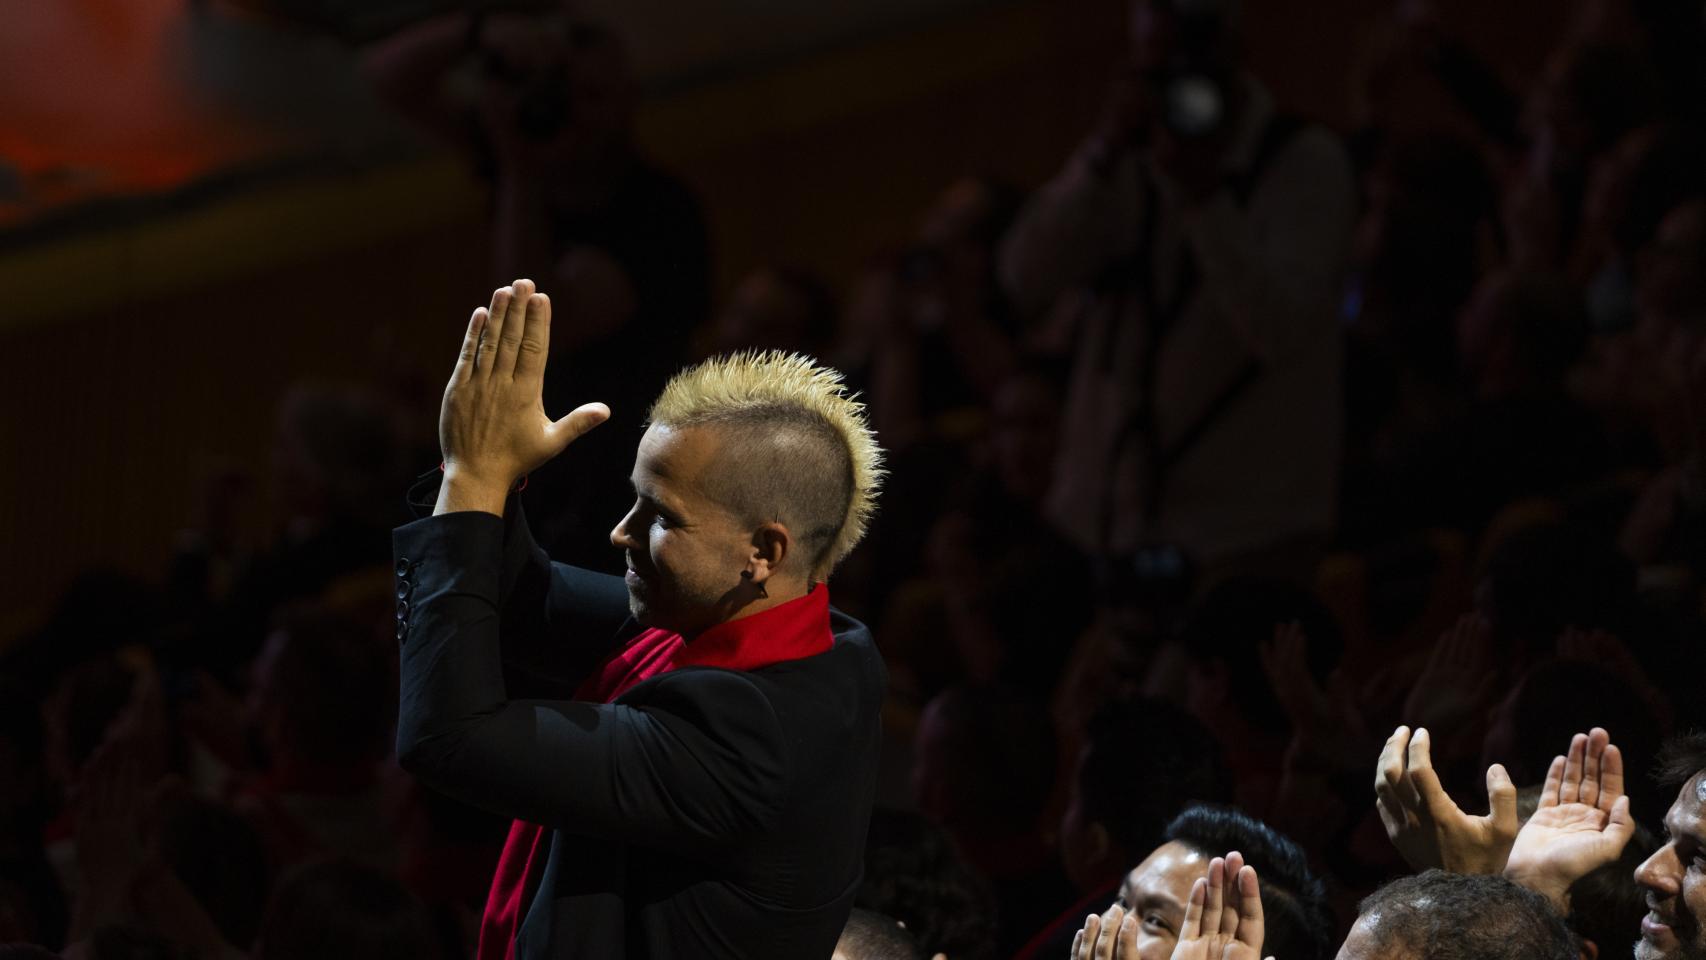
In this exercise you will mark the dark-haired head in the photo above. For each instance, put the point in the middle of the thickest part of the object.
(1680, 758)
(1294, 901)
(1452, 916)
(1120, 805)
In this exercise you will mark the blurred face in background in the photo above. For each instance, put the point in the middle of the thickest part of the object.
(1024, 427)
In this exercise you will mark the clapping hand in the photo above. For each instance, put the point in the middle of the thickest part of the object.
(492, 427)
(1223, 920)
(1424, 823)
(1582, 822)
(1458, 681)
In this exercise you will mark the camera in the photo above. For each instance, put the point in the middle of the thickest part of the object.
(1196, 84)
(541, 97)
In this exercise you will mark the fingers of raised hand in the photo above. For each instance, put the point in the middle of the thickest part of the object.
(1108, 932)
(566, 429)
(497, 315)
(1389, 776)
(1593, 772)
(1550, 789)
(1250, 929)
(1619, 823)
(1191, 928)
(1501, 800)
(1610, 776)
(1084, 940)
(1424, 782)
(468, 359)
(1575, 766)
(1216, 896)
(1232, 905)
(509, 330)
(535, 338)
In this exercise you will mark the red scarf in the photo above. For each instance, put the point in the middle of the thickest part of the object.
(791, 631)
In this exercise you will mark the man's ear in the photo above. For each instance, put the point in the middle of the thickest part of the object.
(1590, 950)
(771, 544)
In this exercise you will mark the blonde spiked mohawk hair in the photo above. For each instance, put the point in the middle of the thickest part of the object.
(754, 386)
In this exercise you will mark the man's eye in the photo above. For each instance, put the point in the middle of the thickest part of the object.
(1155, 921)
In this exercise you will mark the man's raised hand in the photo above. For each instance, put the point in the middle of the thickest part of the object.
(1223, 920)
(492, 427)
(1424, 823)
(1582, 822)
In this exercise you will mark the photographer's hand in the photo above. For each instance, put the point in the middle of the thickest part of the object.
(492, 427)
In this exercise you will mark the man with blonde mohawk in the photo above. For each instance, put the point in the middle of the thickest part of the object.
(689, 757)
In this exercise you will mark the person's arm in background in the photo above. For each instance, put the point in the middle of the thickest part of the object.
(1087, 215)
(1274, 270)
(412, 69)
(408, 70)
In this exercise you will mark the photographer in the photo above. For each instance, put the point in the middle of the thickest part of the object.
(1204, 233)
(542, 104)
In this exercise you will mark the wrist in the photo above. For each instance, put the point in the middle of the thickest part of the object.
(464, 489)
(1554, 888)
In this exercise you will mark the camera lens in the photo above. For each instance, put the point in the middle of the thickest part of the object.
(1194, 105)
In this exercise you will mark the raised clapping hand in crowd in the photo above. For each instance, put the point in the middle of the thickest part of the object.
(1223, 920)
(1426, 825)
(1457, 683)
(1582, 822)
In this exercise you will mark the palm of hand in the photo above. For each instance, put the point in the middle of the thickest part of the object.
(1565, 836)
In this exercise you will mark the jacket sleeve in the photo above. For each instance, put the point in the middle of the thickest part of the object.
(690, 760)
(558, 621)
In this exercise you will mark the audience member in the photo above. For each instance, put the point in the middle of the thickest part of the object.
(1157, 894)
(872, 936)
(1676, 898)
(1206, 232)
(1452, 916)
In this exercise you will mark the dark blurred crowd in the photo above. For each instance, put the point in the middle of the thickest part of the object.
(1232, 448)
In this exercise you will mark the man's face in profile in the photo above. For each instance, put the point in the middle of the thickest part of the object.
(1156, 891)
(1674, 879)
(685, 551)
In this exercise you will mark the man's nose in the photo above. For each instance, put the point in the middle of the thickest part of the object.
(1660, 872)
(619, 534)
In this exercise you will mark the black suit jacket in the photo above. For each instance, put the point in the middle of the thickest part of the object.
(704, 813)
